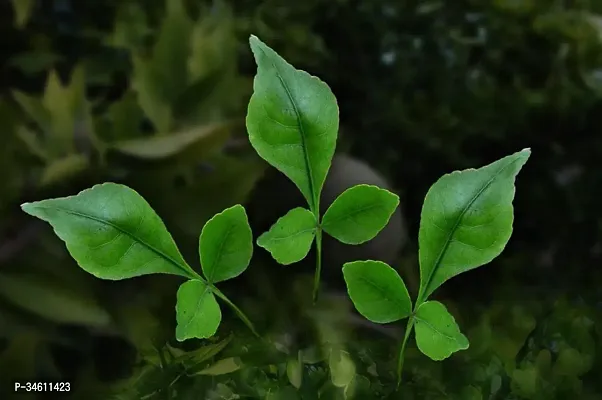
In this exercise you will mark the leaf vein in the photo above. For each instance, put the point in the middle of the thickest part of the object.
(308, 168)
(459, 220)
(158, 252)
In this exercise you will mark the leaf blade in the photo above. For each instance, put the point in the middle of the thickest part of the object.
(161, 147)
(292, 121)
(366, 207)
(221, 367)
(466, 220)
(112, 232)
(53, 299)
(290, 238)
(197, 313)
(377, 291)
(226, 245)
(437, 334)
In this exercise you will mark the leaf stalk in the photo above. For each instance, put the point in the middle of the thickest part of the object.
(400, 360)
(318, 271)
(237, 310)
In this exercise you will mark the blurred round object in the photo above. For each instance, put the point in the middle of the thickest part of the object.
(276, 195)
(347, 172)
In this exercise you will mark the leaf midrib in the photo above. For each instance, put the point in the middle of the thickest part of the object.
(435, 329)
(457, 223)
(313, 204)
(206, 289)
(297, 233)
(183, 268)
(219, 254)
(382, 292)
(352, 213)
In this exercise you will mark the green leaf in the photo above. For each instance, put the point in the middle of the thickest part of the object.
(437, 334)
(377, 291)
(33, 143)
(34, 62)
(208, 138)
(23, 10)
(172, 49)
(294, 371)
(112, 233)
(359, 213)
(34, 109)
(197, 312)
(471, 393)
(290, 238)
(292, 120)
(466, 220)
(59, 101)
(358, 388)
(226, 245)
(571, 362)
(146, 82)
(342, 368)
(525, 381)
(222, 367)
(53, 299)
(63, 169)
(123, 120)
(194, 358)
(130, 26)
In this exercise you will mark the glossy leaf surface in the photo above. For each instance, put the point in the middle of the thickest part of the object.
(466, 220)
(437, 334)
(292, 120)
(359, 213)
(112, 232)
(226, 245)
(197, 313)
(377, 291)
(290, 238)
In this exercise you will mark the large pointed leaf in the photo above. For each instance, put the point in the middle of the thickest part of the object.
(466, 220)
(226, 245)
(437, 334)
(290, 238)
(197, 312)
(293, 120)
(112, 232)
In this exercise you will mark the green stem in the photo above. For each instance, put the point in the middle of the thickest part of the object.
(318, 263)
(237, 310)
(400, 360)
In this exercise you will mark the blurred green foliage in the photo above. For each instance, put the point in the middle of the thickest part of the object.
(152, 94)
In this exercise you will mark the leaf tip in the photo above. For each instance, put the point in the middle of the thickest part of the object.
(526, 152)
(255, 42)
(261, 240)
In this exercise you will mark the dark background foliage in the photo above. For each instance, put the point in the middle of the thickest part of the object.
(424, 88)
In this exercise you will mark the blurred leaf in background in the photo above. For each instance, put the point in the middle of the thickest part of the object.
(153, 94)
